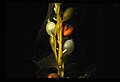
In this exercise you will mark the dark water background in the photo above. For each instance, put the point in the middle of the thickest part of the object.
(95, 36)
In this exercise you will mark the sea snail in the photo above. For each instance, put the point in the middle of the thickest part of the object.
(67, 30)
(53, 75)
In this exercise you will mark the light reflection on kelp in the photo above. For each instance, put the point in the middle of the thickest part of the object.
(56, 44)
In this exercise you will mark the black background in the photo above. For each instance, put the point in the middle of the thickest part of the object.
(99, 27)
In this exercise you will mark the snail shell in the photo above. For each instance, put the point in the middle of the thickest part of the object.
(53, 75)
(68, 29)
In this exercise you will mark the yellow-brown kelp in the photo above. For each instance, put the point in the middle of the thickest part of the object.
(55, 30)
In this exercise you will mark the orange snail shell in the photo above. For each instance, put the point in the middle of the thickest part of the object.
(53, 75)
(67, 32)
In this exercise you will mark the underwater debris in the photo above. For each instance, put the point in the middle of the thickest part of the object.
(72, 70)
(47, 62)
(90, 72)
